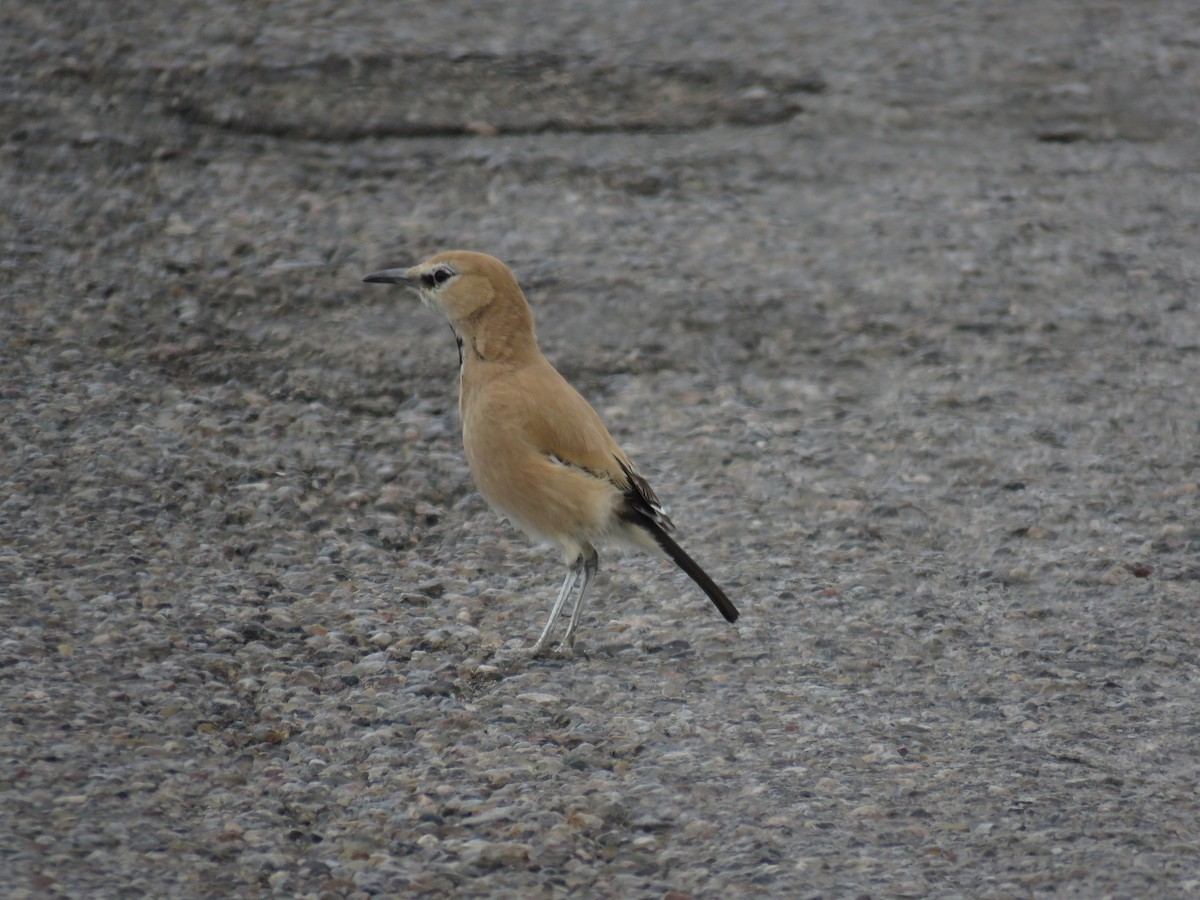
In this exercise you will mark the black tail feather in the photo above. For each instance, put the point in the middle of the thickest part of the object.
(643, 509)
(691, 567)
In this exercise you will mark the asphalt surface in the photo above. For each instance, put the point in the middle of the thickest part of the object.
(893, 304)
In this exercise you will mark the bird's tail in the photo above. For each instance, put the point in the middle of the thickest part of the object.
(691, 567)
(642, 509)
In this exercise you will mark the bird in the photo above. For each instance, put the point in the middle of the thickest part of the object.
(537, 451)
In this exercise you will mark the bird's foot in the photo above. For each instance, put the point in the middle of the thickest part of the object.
(562, 651)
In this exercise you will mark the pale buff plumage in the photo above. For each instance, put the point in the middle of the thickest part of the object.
(536, 449)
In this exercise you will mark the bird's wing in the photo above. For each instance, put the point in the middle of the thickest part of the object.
(562, 425)
(641, 497)
(558, 422)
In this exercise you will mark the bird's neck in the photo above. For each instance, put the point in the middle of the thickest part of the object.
(501, 332)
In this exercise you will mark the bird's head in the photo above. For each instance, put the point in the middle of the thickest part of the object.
(460, 283)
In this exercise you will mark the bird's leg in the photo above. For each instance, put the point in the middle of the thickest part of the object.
(590, 563)
(563, 592)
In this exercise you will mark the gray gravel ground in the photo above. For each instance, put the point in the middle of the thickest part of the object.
(895, 307)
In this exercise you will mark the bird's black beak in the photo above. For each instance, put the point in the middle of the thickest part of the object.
(390, 276)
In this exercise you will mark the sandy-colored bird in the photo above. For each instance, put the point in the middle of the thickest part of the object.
(538, 452)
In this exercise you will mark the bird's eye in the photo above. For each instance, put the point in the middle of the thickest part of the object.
(438, 276)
